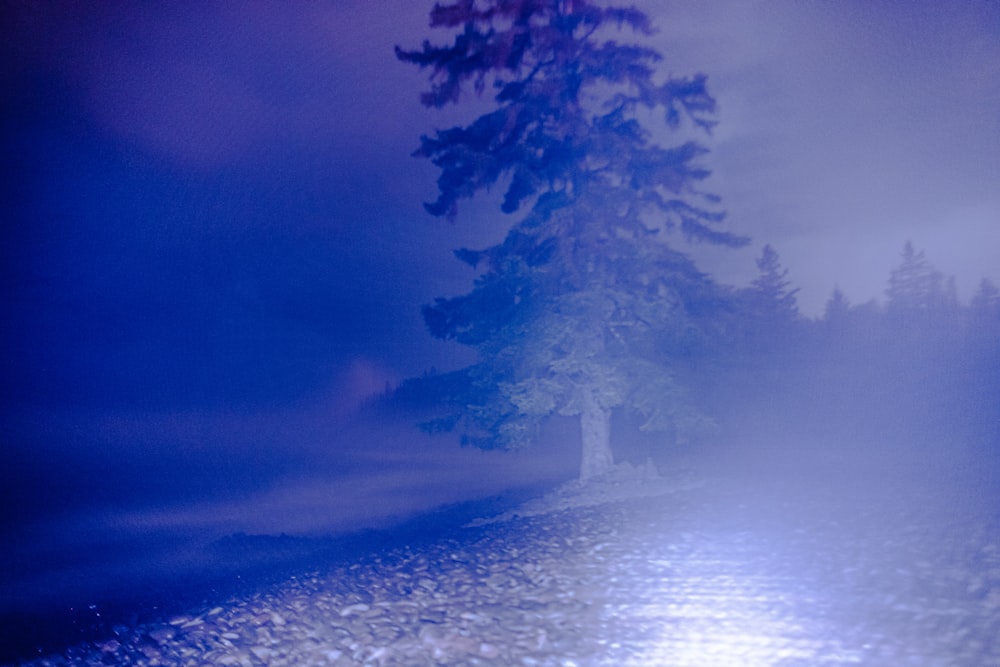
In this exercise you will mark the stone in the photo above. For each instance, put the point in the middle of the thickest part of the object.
(356, 608)
(262, 653)
(489, 651)
(162, 634)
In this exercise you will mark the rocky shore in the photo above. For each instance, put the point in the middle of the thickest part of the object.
(632, 569)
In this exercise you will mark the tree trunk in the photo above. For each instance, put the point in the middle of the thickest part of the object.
(595, 431)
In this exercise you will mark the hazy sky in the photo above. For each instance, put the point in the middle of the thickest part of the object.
(213, 232)
(849, 127)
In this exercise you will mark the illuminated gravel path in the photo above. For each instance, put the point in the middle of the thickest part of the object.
(797, 570)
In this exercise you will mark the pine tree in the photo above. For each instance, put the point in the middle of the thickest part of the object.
(915, 287)
(771, 295)
(768, 310)
(984, 312)
(583, 306)
(837, 308)
(986, 298)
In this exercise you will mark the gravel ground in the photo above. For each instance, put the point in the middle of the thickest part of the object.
(800, 567)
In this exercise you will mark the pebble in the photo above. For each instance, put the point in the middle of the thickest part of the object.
(354, 609)
(162, 634)
(627, 582)
(264, 654)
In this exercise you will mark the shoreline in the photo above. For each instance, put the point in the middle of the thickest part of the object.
(734, 568)
(230, 567)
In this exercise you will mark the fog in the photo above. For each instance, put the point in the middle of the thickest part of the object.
(213, 257)
(185, 490)
(217, 502)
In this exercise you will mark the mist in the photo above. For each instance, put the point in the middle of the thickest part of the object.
(213, 363)
(222, 502)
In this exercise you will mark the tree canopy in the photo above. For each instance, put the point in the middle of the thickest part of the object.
(584, 307)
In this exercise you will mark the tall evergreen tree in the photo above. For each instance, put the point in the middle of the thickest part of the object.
(837, 308)
(768, 312)
(984, 311)
(986, 298)
(839, 319)
(583, 306)
(916, 288)
(771, 291)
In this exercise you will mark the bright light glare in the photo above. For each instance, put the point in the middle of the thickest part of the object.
(726, 610)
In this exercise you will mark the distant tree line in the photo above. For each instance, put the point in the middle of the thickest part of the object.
(918, 361)
(921, 309)
(921, 306)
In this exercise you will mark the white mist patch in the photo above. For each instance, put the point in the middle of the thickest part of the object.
(322, 506)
